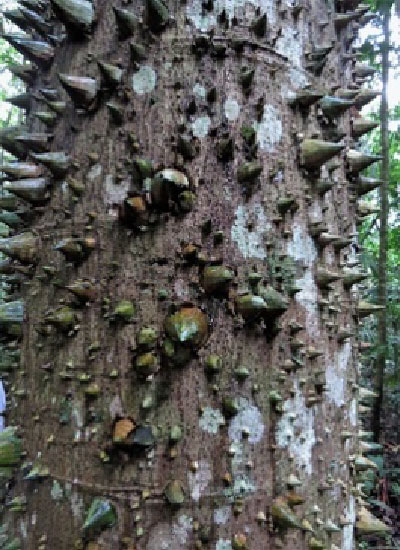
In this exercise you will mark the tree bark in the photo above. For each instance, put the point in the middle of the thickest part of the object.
(264, 395)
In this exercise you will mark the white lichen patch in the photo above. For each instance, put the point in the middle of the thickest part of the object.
(237, 451)
(198, 481)
(298, 78)
(182, 529)
(336, 375)
(77, 505)
(201, 126)
(269, 130)
(144, 80)
(199, 91)
(249, 419)
(334, 385)
(181, 289)
(353, 412)
(223, 544)
(302, 247)
(231, 109)
(95, 172)
(242, 486)
(204, 21)
(250, 241)
(115, 193)
(344, 356)
(160, 538)
(315, 211)
(115, 408)
(222, 515)
(290, 45)
(348, 530)
(56, 491)
(308, 298)
(164, 536)
(211, 420)
(78, 414)
(295, 430)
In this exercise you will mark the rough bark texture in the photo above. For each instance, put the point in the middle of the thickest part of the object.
(231, 466)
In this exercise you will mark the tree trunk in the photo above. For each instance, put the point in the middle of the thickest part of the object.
(383, 232)
(204, 385)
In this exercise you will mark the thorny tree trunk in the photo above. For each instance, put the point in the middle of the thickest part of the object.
(383, 232)
(262, 413)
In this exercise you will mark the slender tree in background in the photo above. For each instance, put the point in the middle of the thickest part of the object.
(179, 333)
(383, 225)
